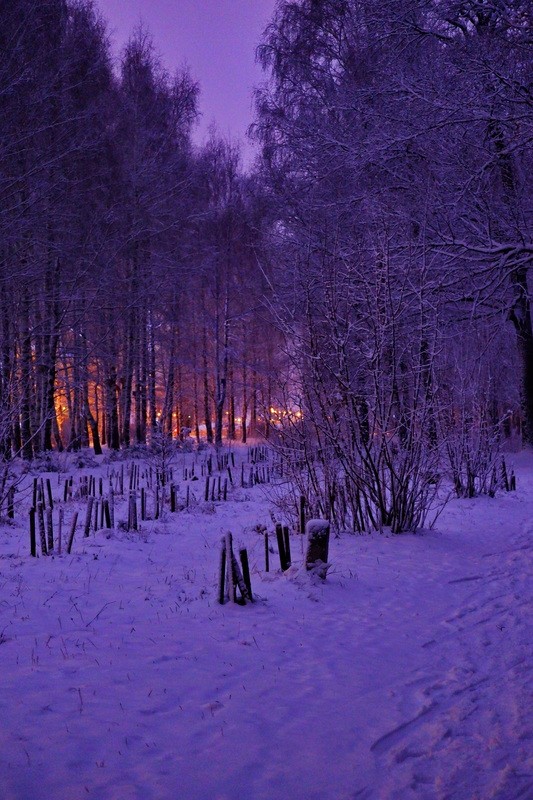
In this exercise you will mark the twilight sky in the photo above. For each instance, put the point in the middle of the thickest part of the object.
(215, 38)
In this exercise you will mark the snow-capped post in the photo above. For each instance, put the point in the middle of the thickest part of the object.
(33, 544)
(512, 482)
(72, 532)
(87, 528)
(316, 559)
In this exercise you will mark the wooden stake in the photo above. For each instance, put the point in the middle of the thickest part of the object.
(239, 580)
(246, 572)
(143, 504)
(221, 574)
(107, 513)
(11, 503)
(302, 514)
(287, 543)
(50, 498)
(88, 517)
(60, 531)
(50, 529)
(281, 547)
(232, 594)
(42, 536)
(33, 544)
(72, 532)
(267, 554)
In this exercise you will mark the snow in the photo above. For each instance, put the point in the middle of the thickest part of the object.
(407, 673)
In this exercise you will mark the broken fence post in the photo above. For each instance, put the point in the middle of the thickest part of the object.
(243, 553)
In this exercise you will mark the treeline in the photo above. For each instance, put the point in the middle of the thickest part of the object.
(130, 295)
(397, 141)
(370, 281)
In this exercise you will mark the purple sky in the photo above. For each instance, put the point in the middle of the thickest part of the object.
(216, 38)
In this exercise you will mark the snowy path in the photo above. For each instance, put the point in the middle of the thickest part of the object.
(408, 674)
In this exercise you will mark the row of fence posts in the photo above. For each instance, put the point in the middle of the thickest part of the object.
(100, 513)
(100, 508)
(233, 578)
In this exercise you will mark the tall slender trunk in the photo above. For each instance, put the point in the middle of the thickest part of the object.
(222, 378)
(127, 379)
(50, 348)
(26, 379)
(520, 314)
(207, 409)
(169, 389)
(152, 376)
(232, 432)
(6, 392)
(244, 429)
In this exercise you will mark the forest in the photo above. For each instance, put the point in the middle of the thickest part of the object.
(360, 296)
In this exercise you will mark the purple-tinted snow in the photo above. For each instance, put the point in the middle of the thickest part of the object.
(406, 674)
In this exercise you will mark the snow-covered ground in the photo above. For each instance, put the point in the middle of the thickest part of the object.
(407, 674)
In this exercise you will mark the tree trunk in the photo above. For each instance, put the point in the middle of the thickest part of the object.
(26, 380)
